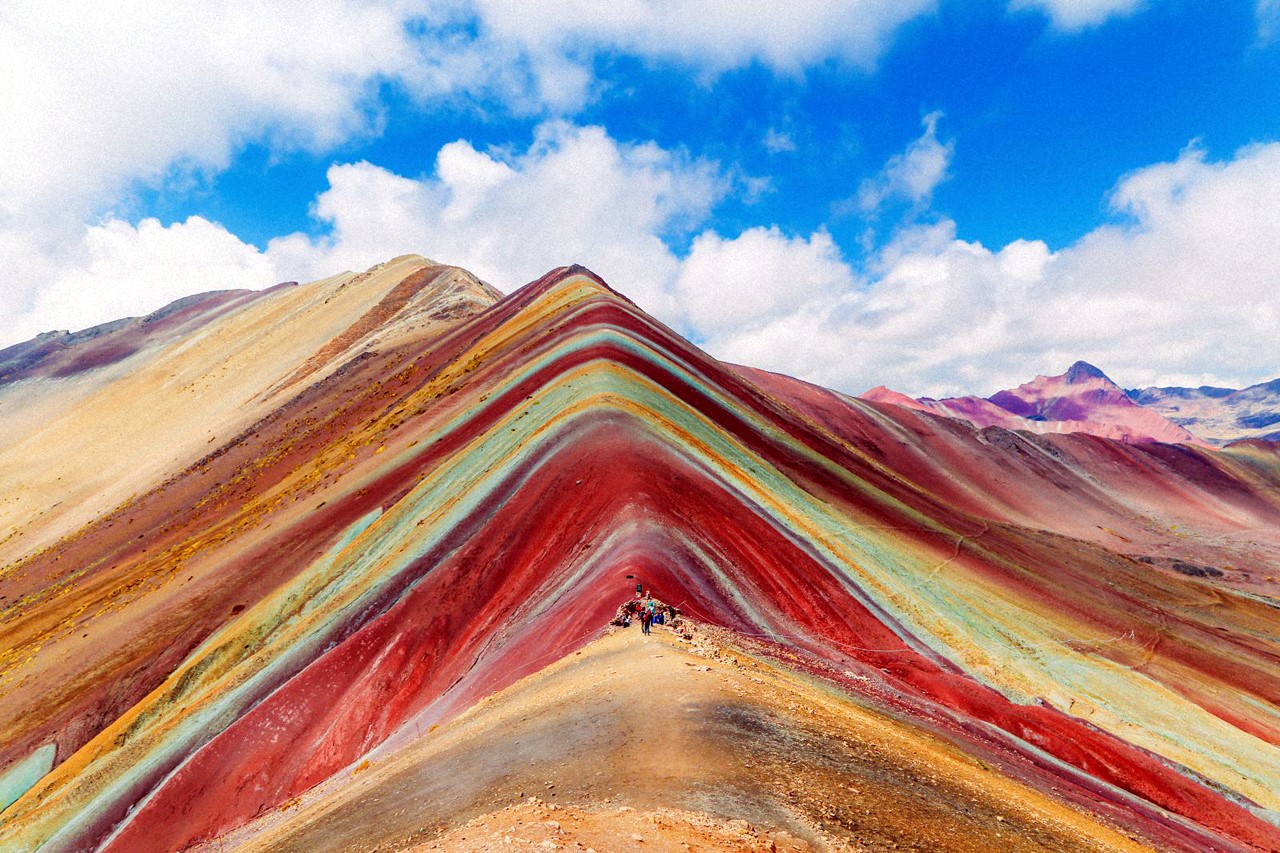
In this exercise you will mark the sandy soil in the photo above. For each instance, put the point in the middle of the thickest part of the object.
(661, 744)
(538, 825)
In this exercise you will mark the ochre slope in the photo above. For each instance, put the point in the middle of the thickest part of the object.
(449, 511)
(168, 392)
(661, 724)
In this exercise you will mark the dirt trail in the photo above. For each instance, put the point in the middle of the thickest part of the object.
(687, 746)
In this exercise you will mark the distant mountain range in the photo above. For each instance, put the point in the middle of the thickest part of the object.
(1219, 415)
(1085, 400)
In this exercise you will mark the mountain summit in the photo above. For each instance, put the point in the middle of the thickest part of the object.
(347, 566)
(1083, 371)
(1083, 399)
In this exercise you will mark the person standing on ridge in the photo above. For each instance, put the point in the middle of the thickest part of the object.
(646, 616)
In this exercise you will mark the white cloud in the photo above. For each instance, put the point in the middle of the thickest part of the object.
(912, 175)
(1267, 14)
(708, 35)
(1184, 286)
(100, 99)
(1076, 15)
(777, 142)
(929, 307)
(734, 284)
(99, 95)
(122, 270)
(576, 195)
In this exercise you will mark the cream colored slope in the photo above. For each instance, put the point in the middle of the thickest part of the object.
(72, 449)
(694, 736)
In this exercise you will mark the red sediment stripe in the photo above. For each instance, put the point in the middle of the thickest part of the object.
(499, 598)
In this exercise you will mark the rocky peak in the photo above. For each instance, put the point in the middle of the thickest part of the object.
(1083, 371)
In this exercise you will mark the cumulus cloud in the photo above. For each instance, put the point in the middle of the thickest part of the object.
(1181, 288)
(120, 269)
(732, 284)
(575, 195)
(709, 35)
(102, 99)
(1076, 15)
(1178, 288)
(99, 99)
(100, 95)
(912, 175)
(928, 308)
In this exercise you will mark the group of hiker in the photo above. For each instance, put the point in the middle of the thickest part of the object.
(647, 609)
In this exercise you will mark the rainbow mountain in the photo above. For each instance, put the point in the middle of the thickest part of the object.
(332, 567)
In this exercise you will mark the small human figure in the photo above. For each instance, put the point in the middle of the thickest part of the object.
(647, 610)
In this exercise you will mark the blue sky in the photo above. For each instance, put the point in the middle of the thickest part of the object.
(1041, 115)
(939, 196)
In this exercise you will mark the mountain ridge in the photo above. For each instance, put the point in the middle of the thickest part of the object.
(1082, 399)
(1220, 415)
(1047, 404)
(423, 522)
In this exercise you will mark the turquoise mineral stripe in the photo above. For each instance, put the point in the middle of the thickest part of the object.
(23, 775)
(203, 707)
(939, 616)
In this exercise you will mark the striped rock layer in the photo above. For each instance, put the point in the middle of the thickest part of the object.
(1081, 400)
(254, 549)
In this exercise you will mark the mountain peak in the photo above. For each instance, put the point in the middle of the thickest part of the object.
(411, 493)
(1084, 399)
(1083, 371)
